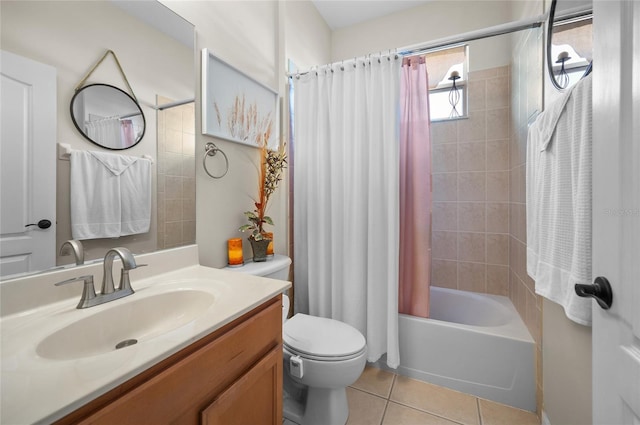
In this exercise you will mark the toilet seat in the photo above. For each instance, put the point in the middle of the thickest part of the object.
(319, 338)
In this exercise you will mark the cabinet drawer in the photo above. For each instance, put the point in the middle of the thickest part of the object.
(178, 393)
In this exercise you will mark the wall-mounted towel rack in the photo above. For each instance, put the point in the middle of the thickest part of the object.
(64, 153)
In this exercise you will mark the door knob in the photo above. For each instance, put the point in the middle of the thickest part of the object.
(600, 289)
(42, 224)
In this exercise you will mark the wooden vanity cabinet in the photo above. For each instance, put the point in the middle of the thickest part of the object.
(232, 376)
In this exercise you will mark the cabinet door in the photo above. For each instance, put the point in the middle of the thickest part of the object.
(256, 398)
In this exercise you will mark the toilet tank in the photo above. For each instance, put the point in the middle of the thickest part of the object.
(274, 268)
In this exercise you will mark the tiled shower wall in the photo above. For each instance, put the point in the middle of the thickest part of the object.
(176, 176)
(470, 169)
(526, 101)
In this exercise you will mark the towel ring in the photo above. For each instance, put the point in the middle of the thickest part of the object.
(211, 150)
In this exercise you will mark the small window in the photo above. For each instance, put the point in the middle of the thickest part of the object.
(440, 108)
(440, 65)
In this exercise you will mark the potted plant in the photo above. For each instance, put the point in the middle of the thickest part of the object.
(272, 164)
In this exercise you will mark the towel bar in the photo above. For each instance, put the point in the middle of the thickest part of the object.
(64, 153)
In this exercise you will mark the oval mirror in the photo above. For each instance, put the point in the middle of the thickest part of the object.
(569, 42)
(107, 116)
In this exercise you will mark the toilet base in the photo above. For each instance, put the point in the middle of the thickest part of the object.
(324, 407)
(292, 410)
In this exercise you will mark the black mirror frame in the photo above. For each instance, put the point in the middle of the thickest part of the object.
(73, 118)
(552, 12)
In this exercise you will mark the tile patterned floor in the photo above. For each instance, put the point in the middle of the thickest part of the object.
(383, 398)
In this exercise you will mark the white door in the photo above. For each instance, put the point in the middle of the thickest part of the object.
(616, 210)
(27, 164)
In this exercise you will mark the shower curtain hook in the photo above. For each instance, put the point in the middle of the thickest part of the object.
(342, 65)
(355, 62)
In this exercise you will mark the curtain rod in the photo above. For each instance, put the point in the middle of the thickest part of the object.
(501, 29)
(493, 31)
(173, 104)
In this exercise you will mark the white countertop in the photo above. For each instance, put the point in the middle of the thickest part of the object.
(36, 389)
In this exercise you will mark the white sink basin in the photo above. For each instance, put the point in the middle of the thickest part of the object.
(126, 323)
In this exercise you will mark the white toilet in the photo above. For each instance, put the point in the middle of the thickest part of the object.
(321, 357)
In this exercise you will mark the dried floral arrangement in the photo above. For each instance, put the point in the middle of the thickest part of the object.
(271, 167)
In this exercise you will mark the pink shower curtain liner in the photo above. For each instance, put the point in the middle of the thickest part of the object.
(415, 189)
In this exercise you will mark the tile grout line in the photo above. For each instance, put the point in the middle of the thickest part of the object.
(368, 392)
(453, 421)
(384, 412)
(388, 398)
(479, 414)
(393, 383)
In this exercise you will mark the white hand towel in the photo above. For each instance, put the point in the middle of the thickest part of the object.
(558, 183)
(110, 195)
(135, 191)
(95, 198)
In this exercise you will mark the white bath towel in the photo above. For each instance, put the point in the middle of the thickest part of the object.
(135, 192)
(558, 183)
(110, 195)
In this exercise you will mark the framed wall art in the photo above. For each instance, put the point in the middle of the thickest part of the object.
(236, 107)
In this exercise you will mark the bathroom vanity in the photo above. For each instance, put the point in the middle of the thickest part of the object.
(209, 347)
(231, 376)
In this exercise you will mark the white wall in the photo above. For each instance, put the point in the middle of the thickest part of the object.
(72, 36)
(308, 38)
(566, 356)
(255, 37)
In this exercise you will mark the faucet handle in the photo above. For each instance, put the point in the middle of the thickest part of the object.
(125, 281)
(88, 290)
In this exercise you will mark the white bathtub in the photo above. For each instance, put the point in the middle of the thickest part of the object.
(474, 343)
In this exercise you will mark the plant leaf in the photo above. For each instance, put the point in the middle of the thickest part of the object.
(250, 215)
(267, 220)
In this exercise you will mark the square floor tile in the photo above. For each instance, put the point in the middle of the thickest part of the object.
(375, 381)
(364, 408)
(397, 414)
(443, 402)
(498, 414)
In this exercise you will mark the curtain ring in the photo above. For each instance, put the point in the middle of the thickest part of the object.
(211, 150)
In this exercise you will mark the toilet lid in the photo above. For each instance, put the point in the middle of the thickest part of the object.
(321, 337)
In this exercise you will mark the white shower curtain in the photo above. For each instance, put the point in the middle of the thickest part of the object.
(106, 131)
(346, 208)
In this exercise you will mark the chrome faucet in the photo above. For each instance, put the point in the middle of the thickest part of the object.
(108, 292)
(128, 263)
(76, 248)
